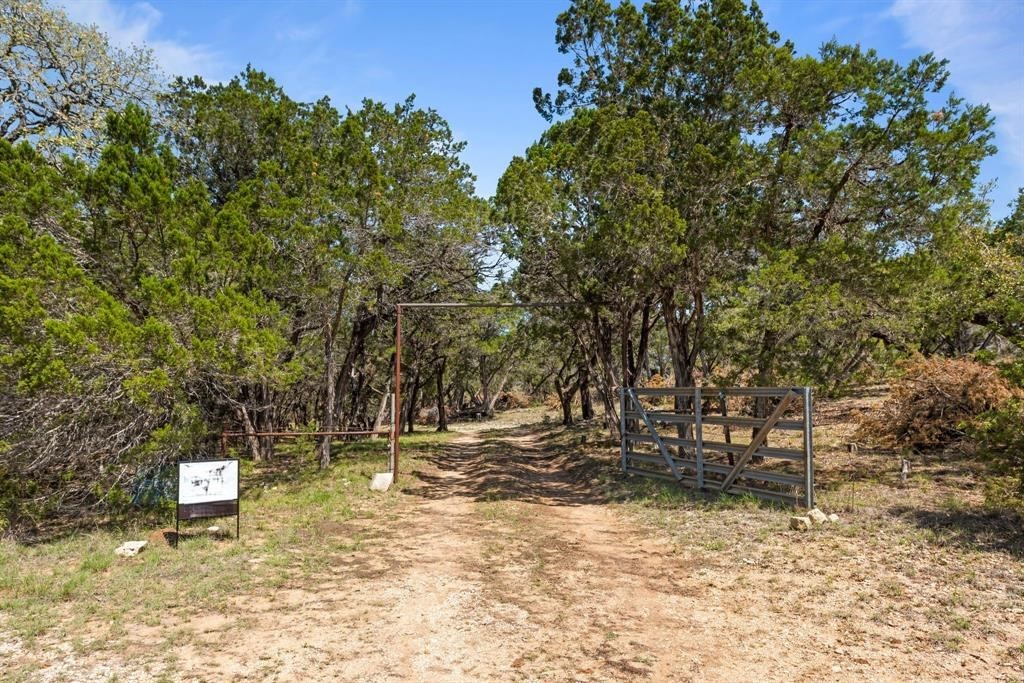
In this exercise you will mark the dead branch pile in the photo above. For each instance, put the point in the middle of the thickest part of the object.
(933, 403)
(512, 399)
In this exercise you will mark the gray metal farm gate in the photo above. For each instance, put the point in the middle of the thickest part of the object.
(687, 434)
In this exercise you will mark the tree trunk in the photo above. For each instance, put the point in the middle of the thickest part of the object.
(642, 361)
(330, 371)
(485, 386)
(362, 327)
(565, 395)
(586, 403)
(410, 413)
(382, 410)
(636, 357)
(264, 420)
(355, 417)
(606, 378)
(489, 404)
(763, 377)
(250, 433)
(442, 418)
(685, 336)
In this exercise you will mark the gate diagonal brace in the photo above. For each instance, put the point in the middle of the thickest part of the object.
(758, 439)
(669, 460)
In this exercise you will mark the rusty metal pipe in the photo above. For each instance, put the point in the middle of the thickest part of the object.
(397, 417)
(359, 433)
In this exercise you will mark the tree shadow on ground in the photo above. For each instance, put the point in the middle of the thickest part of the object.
(519, 463)
(991, 531)
(295, 464)
(553, 465)
(940, 496)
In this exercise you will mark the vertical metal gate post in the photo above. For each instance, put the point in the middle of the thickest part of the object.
(398, 390)
(177, 497)
(622, 424)
(390, 398)
(808, 451)
(698, 429)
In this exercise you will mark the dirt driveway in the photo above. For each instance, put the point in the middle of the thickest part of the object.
(500, 567)
(504, 564)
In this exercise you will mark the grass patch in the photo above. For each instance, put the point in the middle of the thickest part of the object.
(294, 522)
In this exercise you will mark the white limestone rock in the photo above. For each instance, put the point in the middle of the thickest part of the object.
(817, 516)
(130, 548)
(381, 481)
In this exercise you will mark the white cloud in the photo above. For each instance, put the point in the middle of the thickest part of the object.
(984, 45)
(300, 34)
(127, 25)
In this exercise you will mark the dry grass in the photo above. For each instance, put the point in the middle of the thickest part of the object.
(921, 579)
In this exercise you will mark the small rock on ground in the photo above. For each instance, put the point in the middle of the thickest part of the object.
(381, 481)
(817, 516)
(799, 523)
(130, 548)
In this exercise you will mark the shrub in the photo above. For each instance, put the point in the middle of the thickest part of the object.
(999, 436)
(935, 402)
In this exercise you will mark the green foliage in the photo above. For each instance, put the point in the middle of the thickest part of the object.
(726, 207)
(83, 380)
(233, 267)
(772, 205)
(1000, 439)
(1011, 228)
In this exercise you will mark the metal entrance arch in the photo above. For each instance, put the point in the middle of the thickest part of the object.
(396, 420)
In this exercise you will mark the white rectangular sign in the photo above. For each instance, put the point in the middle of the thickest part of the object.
(207, 481)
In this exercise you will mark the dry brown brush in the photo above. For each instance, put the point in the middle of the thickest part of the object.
(934, 403)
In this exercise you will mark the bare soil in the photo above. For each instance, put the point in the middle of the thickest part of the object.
(512, 560)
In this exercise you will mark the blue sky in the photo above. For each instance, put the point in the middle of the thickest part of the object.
(478, 62)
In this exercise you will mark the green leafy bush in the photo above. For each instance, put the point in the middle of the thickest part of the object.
(999, 436)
